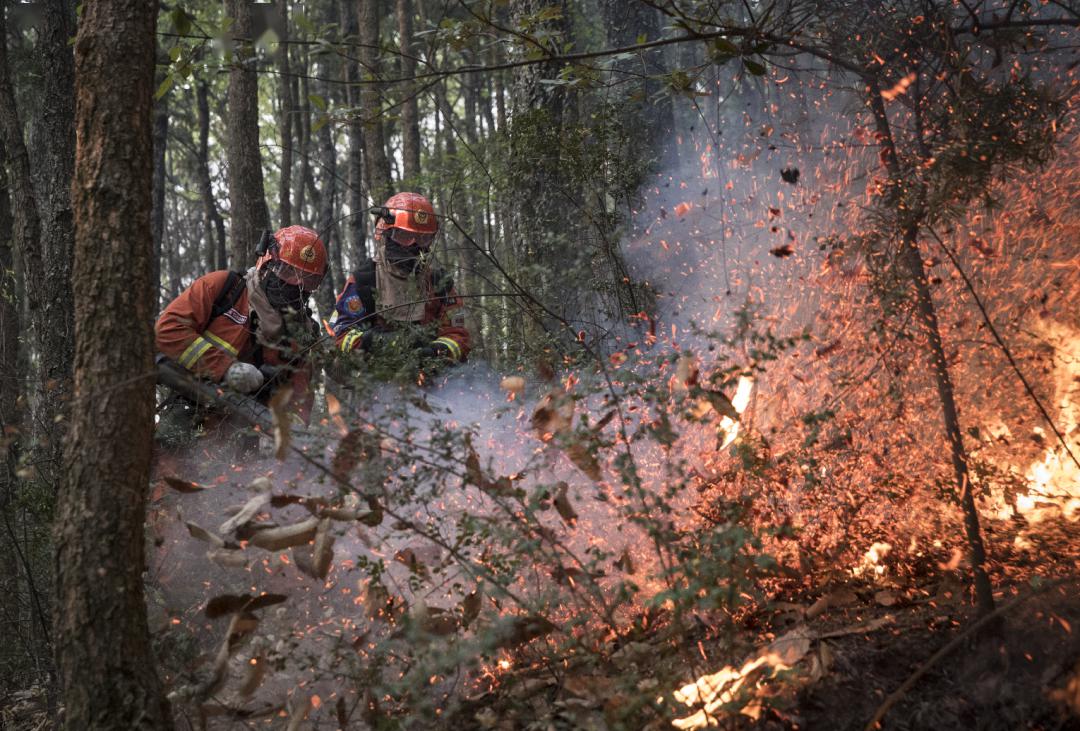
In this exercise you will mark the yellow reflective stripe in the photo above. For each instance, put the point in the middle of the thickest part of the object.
(455, 349)
(349, 342)
(193, 352)
(226, 346)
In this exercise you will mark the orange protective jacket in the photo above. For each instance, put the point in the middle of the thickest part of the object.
(186, 333)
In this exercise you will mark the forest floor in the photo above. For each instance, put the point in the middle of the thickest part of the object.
(848, 646)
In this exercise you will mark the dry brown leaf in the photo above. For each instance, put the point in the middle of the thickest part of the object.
(256, 671)
(886, 598)
(333, 406)
(470, 608)
(357, 446)
(595, 688)
(515, 631)
(584, 460)
(183, 485)
(323, 550)
(562, 504)
(554, 414)
(286, 536)
(408, 557)
(625, 562)
(204, 535)
(279, 409)
(228, 558)
(250, 509)
(513, 384)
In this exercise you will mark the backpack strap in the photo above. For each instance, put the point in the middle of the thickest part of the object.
(364, 277)
(229, 295)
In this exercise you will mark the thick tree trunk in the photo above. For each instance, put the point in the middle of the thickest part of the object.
(213, 224)
(410, 117)
(376, 162)
(286, 110)
(103, 650)
(247, 197)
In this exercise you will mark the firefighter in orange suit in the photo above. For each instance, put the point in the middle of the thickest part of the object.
(250, 330)
(399, 293)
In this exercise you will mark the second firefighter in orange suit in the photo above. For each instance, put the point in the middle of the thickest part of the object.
(399, 288)
(263, 327)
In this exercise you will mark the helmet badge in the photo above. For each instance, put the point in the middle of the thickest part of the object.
(421, 217)
(307, 253)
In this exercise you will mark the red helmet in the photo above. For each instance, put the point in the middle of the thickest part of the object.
(298, 256)
(410, 219)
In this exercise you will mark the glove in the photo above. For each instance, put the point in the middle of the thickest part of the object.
(243, 377)
(270, 372)
(433, 350)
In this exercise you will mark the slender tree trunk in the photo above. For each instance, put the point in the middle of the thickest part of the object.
(161, 139)
(357, 199)
(913, 262)
(300, 208)
(287, 109)
(410, 117)
(380, 184)
(247, 197)
(103, 651)
(213, 224)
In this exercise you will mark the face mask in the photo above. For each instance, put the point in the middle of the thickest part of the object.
(404, 258)
(282, 295)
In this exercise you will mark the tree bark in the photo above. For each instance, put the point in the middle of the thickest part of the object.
(286, 110)
(247, 197)
(213, 224)
(380, 184)
(357, 198)
(161, 140)
(410, 117)
(913, 262)
(103, 651)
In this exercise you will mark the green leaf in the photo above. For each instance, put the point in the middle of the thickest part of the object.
(724, 47)
(642, 39)
(166, 84)
(319, 124)
(318, 102)
(174, 52)
(754, 67)
(180, 20)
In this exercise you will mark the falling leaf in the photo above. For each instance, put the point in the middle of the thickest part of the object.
(182, 485)
(228, 558)
(899, 88)
(279, 403)
(515, 631)
(782, 252)
(554, 414)
(584, 460)
(246, 513)
(333, 407)
(774, 213)
(470, 608)
(563, 506)
(513, 384)
(681, 209)
(204, 535)
(316, 562)
(286, 536)
(357, 446)
(256, 671)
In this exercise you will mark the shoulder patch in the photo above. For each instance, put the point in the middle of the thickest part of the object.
(353, 304)
(235, 316)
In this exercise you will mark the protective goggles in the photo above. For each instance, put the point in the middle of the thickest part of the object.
(410, 238)
(307, 281)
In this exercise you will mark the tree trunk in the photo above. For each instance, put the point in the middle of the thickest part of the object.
(410, 117)
(357, 198)
(376, 162)
(161, 140)
(247, 198)
(213, 224)
(304, 115)
(103, 651)
(286, 110)
(914, 264)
